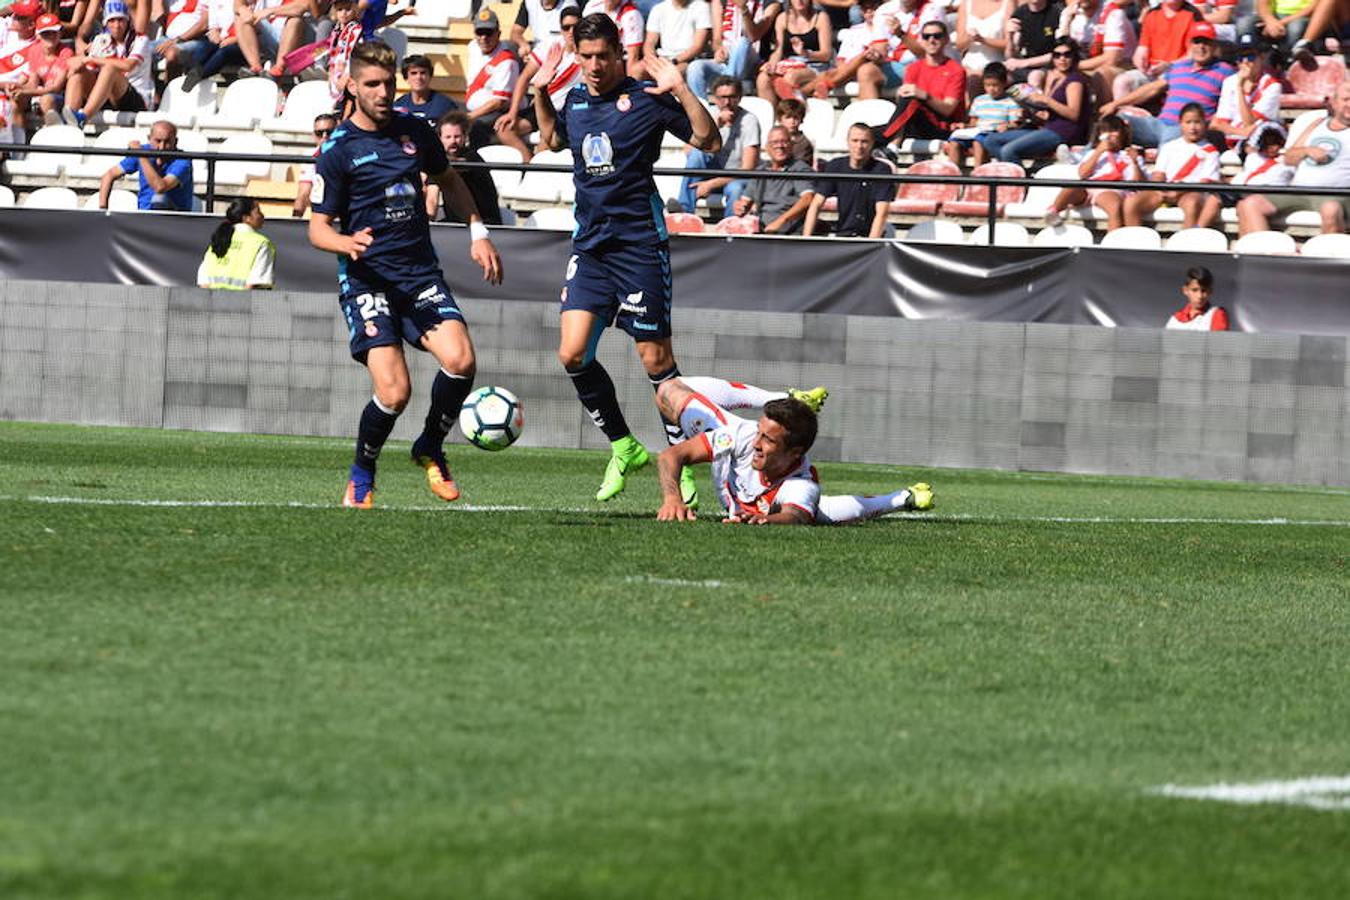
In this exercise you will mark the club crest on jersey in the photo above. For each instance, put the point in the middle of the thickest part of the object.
(624, 103)
(598, 152)
(407, 144)
(721, 441)
(372, 330)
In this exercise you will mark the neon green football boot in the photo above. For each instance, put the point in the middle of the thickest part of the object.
(920, 496)
(688, 488)
(814, 398)
(629, 456)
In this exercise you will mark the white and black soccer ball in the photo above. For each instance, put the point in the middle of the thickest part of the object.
(492, 418)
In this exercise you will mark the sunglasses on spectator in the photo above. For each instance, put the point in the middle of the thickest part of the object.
(322, 132)
(1061, 54)
(568, 27)
(933, 35)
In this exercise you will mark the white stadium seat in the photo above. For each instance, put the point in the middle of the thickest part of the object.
(1063, 235)
(942, 231)
(503, 179)
(6, 197)
(115, 138)
(441, 12)
(239, 172)
(546, 187)
(668, 186)
(1328, 246)
(1198, 240)
(556, 218)
(819, 122)
(180, 107)
(246, 102)
(195, 142)
(52, 198)
(1006, 234)
(48, 165)
(868, 112)
(762, 110)
(305, 101)
(118, 201)
(1272, 243)
(1132, 237)
(1039, 197)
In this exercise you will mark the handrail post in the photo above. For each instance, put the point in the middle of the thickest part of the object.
(991, 215)
(210, 185)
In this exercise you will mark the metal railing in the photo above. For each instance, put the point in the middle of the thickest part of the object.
(993, 183)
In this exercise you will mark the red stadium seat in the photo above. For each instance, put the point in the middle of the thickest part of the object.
(922, 199)
(683, 223)
(738, 225)
(975, 198)
(1311, 85)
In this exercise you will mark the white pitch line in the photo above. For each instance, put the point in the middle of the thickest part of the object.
(673, 582)
(1321, 792)
(489, 507)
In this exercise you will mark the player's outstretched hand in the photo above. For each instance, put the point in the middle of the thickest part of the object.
(746, 520)
(360, 243)
(673, 510)
(549, 69)
(665, 73)
(485, 254)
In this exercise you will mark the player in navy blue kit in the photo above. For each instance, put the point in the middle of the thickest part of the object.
(619, 271)
(369, 209)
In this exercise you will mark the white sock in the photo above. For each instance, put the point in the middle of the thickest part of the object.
(840, 509)
(731, 394)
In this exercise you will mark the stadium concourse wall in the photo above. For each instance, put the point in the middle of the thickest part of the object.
(1255, 407)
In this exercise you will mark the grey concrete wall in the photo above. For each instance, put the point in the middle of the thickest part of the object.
(1035, 397)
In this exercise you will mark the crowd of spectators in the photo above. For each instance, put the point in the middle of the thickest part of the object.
(1127, 90)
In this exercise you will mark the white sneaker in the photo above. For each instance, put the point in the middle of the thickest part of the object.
(1054, 217)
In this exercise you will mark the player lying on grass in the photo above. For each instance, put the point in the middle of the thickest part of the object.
(760, 470)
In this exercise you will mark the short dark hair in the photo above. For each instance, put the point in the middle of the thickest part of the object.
(946, 32)
(790, 106)
(724, 81)
(325, 115)
(1201, 276)
(598, 27)
(1113, 122)
(373, 53)
(419, 60)
(1070, 43)
(453, 117)
(569, 11)
(997, 70)
(797, 420)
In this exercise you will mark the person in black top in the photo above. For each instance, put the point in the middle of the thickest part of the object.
(421, 100)
(453, 132)
(369, 210)
(1031, 35)
(863, 204)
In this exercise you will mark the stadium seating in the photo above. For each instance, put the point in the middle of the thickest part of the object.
(52, 198)
(6, 196)
(1006, 234)
(1313, 84)
(762, 110)
(305, 101)
(441, 12)
(940, 231)
(49, 165)
(555, 218)
(974, 199)
(1328, 246)
(1039, 197)
(195, 142)
(1063, 235)
(240, 171)
(115, 138)
(819, 122)
(924, 198)
(118, 201)
(504, 179)
(668, 186)
(546, 187)
(179, 107)
(868, 112)
(738, 225)
(1198, 240)
(683, 223)
(246, 102)
(1272, 243)
(1132, 237)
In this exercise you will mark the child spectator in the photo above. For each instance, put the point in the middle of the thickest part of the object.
(993, 111)
(1197, 314)
(790, 113)
(1112, 158)
(1249, 97)
(346, 35)
(1265, 159)
(1190, 159)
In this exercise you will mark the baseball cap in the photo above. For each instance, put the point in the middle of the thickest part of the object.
(115, 9)
(1203, 31)
(1251, 44)
(48, 22)
(28, 9)
(486, 20)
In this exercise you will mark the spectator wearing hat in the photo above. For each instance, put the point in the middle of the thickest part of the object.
(1164, 35)
(1249, 98)
(45, 78)
(165, 184)
(1198, 79)
(17, 38)
(488, 94)
(632, 30)
(113, 71)
(421, 101)
(17, 33)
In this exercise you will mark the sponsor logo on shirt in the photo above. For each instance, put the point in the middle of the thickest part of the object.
(598, 152)
(1330, 145)
(362, 160)
(634, 304)
(399, 199)
(722, 441)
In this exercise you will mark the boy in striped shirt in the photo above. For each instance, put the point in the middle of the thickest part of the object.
(991, 112)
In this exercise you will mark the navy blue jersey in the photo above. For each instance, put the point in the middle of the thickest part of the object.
(373, 179)
(615, 140)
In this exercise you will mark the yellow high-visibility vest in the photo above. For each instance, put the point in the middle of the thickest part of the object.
(230, 272)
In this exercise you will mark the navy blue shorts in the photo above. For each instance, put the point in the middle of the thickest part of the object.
(627, 285)
(381, 314)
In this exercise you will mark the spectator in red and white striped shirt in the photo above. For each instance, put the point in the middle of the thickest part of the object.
(1190, 159)
(1250, 98)
(1113, 158)
(1198, 314)
(488, 94)
(518, 121)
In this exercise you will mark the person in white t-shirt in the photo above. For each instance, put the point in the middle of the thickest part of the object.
(518, 121)
(1189, 159)
(542, 18)
(761, 473)
(114, 70)
(678, 30)
(1249, 98)
(632, 31)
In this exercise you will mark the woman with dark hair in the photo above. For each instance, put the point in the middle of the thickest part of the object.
(1064, 108)
(240, 256)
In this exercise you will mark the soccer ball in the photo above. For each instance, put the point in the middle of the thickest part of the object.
(492, 418)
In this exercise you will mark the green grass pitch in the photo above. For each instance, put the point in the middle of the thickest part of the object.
(214, 683)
